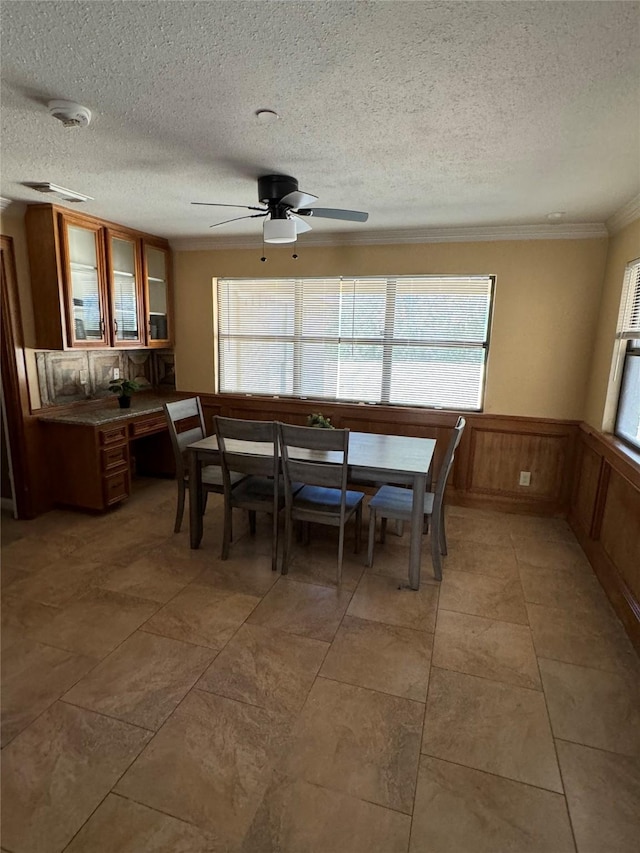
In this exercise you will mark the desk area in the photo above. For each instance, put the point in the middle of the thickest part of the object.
(394, 459)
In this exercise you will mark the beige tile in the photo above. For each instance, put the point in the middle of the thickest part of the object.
(379, 599)
(122, 826)
(56, 773)
(482, 528)
(143, 680)
(209, 764)
(296, 816)
(128, 542)
(265, 667)
(594, 639)
(458, 809)
(318, 563)
(540, 527)
(32, 553)
(492, 560)
(486, 647)
(33, 677)
(96, 622)
(60, 581)
(547, 554)
(480, 595)
(570, 589)
(382, 657)
(592, 707)
(21, 618)
(156, 576)
(359, 742)
(304, 609)
(203, 615)
(249, 574)
(603, 792)
(10, 575)
(490, 726)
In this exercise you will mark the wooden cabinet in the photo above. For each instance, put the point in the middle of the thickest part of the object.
(90, 466)
(96, 284)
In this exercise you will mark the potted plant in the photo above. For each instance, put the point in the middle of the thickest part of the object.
(318, 420)
(124, 388)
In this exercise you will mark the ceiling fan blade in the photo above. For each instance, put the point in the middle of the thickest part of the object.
(301, 225)
(298, 199)
(334, 213)
(241, 206)
(236, 218)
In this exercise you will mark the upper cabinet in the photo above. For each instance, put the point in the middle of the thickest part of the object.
(95, 284)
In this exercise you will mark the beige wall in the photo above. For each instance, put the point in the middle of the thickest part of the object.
(545, 312)
(604, 382)
(12, 225)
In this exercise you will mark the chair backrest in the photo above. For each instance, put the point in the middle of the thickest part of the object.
(447, 462)
(258, 453)
(315, 457)
(186, 425)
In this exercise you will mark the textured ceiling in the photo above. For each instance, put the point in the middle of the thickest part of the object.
(426, 114)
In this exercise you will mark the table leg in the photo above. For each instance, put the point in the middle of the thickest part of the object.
(417, 522)
(195, 500)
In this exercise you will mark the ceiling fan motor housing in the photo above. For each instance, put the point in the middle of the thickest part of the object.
(272, 188)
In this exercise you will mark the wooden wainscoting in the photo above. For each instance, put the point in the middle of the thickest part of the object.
(493, 451)
(605, 516)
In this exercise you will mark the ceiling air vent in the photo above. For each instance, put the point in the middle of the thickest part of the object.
(61, 192)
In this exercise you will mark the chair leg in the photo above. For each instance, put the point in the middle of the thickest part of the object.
(435, 554)
(180, 508)
(274, 543)
(372, 536)
(358, 529)
(306, 533)
(226, 535)
(340, 553)
(383, 529)
(399, 527)
(443, 535)
(252, 522)
(205, 495)
(286, 550)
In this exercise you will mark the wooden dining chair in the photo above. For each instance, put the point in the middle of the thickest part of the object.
(397, 503)
(317, 458)
(259, 462)
(186, 425)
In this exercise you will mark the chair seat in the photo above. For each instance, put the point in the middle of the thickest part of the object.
(212, 476)
(394, 502)
(320, 499)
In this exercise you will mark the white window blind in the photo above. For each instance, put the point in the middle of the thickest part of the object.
(418, 340)
(629, 319)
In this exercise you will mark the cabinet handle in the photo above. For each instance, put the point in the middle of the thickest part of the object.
(115, 326)
(102, 326)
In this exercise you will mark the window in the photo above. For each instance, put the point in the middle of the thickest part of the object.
(628, 416)
(419, 341)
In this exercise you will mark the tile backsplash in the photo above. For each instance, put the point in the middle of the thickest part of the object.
(69, 377)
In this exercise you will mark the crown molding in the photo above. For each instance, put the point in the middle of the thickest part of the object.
(16, 206)
(472, 234)
(625, 216)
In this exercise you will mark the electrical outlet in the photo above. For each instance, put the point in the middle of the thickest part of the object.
(525, 478)
(116, 373)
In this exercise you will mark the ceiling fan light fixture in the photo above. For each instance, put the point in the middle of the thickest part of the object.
(279, 231)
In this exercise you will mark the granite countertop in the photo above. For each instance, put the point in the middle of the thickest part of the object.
(108, 411)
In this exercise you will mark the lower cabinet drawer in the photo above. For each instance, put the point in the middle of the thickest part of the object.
(117, 435)
(116, 487)
(115, 457)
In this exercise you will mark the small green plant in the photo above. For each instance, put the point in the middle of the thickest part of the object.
(123, 387)
(318, 420)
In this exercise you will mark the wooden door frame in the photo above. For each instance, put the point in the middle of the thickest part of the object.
(14, 379)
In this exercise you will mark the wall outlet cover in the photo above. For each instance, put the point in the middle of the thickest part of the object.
(525, 478)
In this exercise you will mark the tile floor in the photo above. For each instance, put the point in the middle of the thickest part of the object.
(158, 700)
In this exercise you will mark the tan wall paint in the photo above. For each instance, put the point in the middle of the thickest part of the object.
(545, 311)
(602, 392)
(12, 225)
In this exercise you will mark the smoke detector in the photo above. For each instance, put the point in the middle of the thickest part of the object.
(70, 113)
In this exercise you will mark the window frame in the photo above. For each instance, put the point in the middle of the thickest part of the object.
(628, 331)
(387, 342)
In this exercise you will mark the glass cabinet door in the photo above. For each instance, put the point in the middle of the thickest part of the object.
(157, 281)
(125, 291)
(86, 287)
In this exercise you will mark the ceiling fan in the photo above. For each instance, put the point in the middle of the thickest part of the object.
(284, 205)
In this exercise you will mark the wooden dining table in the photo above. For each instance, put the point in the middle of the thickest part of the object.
(394, 459)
